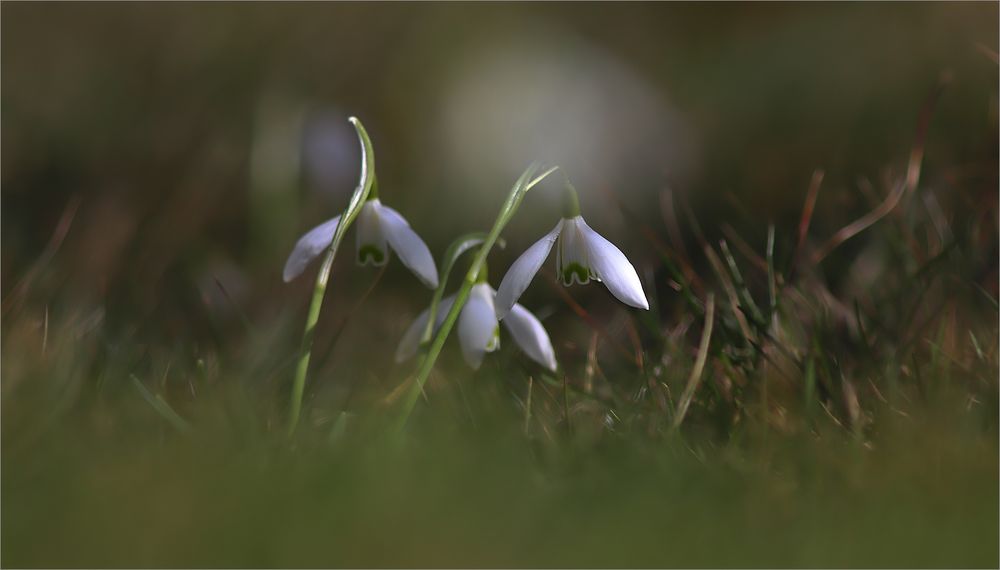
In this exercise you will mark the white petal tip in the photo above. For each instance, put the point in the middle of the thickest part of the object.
(412, 250)
(291, 272)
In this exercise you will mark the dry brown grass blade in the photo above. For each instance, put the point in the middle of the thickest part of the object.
(55, 242)
(633, 337)
(806, 218)
(992, 55)
(674, 231)
(583, 314)
(699, 366)
(861, 224)
(675, 253)
(393, 396)
(666, 251)
(747, 251)
(907, 186)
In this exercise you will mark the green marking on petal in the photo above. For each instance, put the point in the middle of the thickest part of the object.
(494, 343)
(370, 253)
(575, 271)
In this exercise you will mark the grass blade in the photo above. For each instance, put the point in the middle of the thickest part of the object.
(161, 406)
(699, 366)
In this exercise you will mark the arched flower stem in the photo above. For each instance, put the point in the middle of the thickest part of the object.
(517, 193)
(455, 250)
(361, 194)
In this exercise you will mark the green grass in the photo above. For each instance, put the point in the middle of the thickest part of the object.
(922, 492)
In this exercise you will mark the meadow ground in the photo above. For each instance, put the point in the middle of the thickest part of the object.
(815, 383)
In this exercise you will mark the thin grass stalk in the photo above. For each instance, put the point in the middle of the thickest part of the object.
(161, 406)
(451, 255)
(699, 366)
(727, 285)
(741, 286)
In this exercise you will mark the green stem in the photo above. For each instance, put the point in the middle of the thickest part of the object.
(571, 202)
(517, 193)
(322, 278)
(483, 276)
(312, 317)
(451, 255)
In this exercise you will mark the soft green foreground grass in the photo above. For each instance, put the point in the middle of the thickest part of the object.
(921, 492)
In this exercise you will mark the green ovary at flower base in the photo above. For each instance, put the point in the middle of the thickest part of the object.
(574, 272)
(371, 255)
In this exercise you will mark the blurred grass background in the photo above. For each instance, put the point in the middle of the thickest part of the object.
(160, 160)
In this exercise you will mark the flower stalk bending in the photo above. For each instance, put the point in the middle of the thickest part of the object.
(322, 278)
(517, 193)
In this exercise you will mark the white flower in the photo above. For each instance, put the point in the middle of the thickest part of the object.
(379, 228)
(581, 255)
(479, 331)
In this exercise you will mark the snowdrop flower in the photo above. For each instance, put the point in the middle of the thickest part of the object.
(581, 255)
(479, 331)
(379, 229)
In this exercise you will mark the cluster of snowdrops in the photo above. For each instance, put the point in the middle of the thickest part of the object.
(581, 255)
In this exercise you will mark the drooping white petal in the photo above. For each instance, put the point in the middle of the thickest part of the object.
(407, 244)
(523, 270)
(572, 256)
(611, 266)
(371, 237)
(530, 336)
(410, 343)
(477, 325)
(308, 247)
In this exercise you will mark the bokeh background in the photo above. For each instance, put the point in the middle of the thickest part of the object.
(161, 159)
(206, 136)
(194, 143)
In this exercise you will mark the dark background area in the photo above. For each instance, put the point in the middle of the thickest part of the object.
(151, 115)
